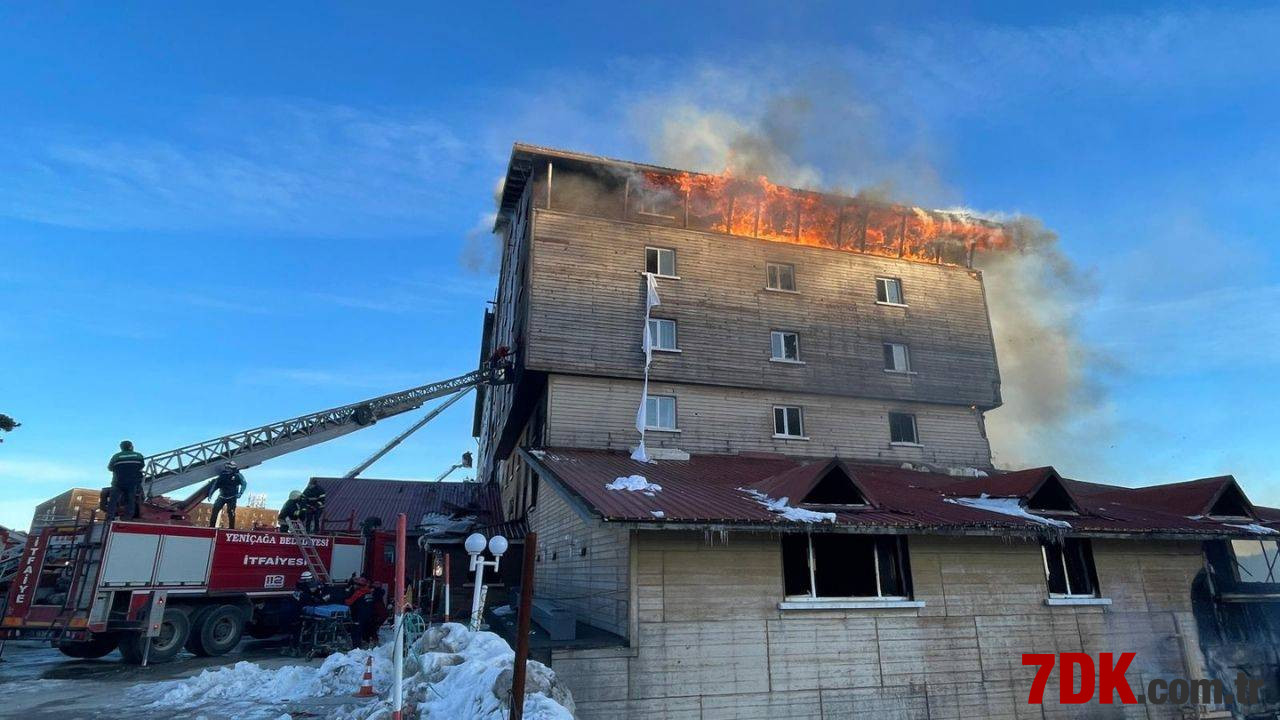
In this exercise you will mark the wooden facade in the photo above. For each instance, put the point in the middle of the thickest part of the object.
(710, 642)
(570, 304)
(593, 412)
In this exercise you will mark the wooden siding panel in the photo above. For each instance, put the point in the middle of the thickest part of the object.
(588, 305)
(595, 412)
(594, 585)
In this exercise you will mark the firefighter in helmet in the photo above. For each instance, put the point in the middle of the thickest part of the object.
(229, 486)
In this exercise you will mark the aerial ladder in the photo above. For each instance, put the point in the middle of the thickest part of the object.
(185, 466)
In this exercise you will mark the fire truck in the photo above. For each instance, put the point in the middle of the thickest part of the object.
(152, 586)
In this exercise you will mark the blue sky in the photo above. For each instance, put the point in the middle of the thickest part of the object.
(215, 216)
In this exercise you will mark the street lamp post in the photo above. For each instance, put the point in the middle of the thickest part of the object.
(475, 545)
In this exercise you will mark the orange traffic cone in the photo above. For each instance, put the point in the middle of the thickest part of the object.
(366, 683)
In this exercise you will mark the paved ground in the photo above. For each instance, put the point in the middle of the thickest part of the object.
(37, 682)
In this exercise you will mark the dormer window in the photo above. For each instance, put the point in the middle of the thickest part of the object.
(836, 488)
(1231, 505)
(1052, 498)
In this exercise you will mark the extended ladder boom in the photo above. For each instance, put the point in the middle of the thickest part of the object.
(169, 471)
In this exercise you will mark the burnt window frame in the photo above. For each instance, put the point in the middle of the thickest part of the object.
(1273, 576)
(1081, 549)
(890, 562)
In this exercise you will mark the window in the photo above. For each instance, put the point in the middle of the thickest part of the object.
(660, 412)
(1069, 568)
(660, 261)
(889, 291)
(781, 277)
(1256, 560)
(662, 334)
(845, 566)
(902, 429)
(788, 421)
(896, 358)
(784, 346)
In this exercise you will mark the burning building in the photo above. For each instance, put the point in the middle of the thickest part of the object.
(748, 426)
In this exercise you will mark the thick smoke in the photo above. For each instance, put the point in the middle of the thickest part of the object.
(1034, 293)
(481, 247)
(1033, 290)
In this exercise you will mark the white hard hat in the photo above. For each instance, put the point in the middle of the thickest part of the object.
(306, 575)
(294, 495)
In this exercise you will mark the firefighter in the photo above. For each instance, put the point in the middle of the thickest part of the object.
(313, 498)
(229, 485)
(291, 510)
(360, 600)
(126, 481)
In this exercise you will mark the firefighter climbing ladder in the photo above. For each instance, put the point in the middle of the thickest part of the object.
(308, 548)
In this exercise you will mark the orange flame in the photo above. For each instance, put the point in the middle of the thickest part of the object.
(726, 204)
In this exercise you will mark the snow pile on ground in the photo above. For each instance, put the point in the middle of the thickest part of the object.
(787, 512)
(1006, 506)
(450, 672)
(340, 673)
(634, 483)
(465, 675)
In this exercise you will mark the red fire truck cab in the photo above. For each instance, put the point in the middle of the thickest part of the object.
(92, 587)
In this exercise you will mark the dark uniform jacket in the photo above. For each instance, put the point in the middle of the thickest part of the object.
(291, 509)
(126, 467)
(229, 484)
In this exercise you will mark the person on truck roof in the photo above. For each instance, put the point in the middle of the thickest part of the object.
(291, 510)
(126, 481)
(313, 498)
(230, 485)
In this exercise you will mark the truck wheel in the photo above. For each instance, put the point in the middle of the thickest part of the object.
(220, 629)
(197, 619)
(98, 646)
(174, 630)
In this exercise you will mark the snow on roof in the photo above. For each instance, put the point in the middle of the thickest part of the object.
(1006, 506)
(634, 483)
(787, 512)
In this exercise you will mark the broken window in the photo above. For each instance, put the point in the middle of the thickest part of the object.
(1256, 560)
(1069, 568)
(660, 412)
(845, 566)
(781, 277)
(662, 334)
(784, 346)
(889, 290)
(660, 261)
(788, 421)
(902, 429)
(896, 358)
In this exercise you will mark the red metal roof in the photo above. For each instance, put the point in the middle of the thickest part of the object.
(355, 499)
(715, 489)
